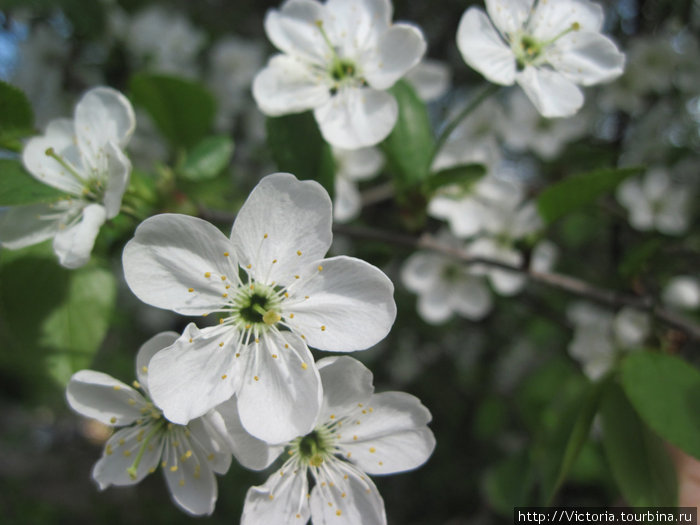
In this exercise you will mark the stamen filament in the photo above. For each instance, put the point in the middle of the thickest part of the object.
(132, 470)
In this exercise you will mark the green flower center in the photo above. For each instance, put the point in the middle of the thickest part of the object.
(256, 305)
(529, 51)
(314, 448)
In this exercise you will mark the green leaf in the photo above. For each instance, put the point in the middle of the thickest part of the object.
(19, 187)
(16, 117)
(298, 148)
(464, 176)
(207, 159)
(580, 190)
(409, 147)
(74, 330)
(637, 457)
(665, 391)
(183, 110)
(509, 483)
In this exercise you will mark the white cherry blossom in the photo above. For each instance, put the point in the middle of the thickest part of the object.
(189, 455)
(274, 293)
(338, 59)
(547, 48)
(357, 433)
(83, 158)
(351, 167)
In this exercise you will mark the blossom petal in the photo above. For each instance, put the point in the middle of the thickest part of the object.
(483, 48)
(59, 136)
(509, 15)
(281, 499)
(103, 115)
(350, 305)
(101, 397)
(421, 271)
(433, 306)
(22, 226)
(471, 298)
(189, 476)
(586, 58)
(392, 436)
(552, 18)
(552, 93)
(150, 348)
(346, 382)
(357, 25)
(347, 203)
(288, 85)
(188, 379)
(171, 254)
(280, 393)
(73, 245)
(399, 49)
(358, 164)
(121, 452)
(118, 171)
(250, 451)
(283, 220)
(357, 117)
(430, 79)
(465, 216)
(347, 501)
(210, 434)
(293, 30)
(672, 218)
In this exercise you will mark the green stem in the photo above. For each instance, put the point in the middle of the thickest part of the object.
(485, 93)
(132, 470)
(50, 152)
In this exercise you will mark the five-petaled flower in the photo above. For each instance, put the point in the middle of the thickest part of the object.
(274, 293)
(356, 433)
(83, 158)
(548, 48)
(188, 455)
(338, 59)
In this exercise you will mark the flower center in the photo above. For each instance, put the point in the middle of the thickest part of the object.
(528, 50)
(93, 187)
(341, 70)
(314, 448)
(256, 305)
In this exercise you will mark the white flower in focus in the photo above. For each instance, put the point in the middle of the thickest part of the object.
(525, 129)
(351, 167)
(655, 202)
(445, 286)
(600, 336)
(357, 433)
(683, 292)
(430, 78)
(338, 59)
(273, 292)
(189, 455)
(83, 158)
(548, 48)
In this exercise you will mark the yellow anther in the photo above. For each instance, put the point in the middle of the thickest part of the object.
(182, 482)
(207, 275)
(274, 356)
(132, 402)
(274, 261)
(372, 450)
(257, 340)
(164, 464)
(364, 411)
(108, 450)
(286, 295)
(190, 290)
(113, 420)
(249, 266)
(224, 376)
(256, 378)
(186, 455)
(370, 409)
(238, 355)
(223, 277)
(173, 468)
(343, 495)
(298, 516)
(291, 316)
(127, 453)
(304, 366)
(345, 476)
(136, 384)
(299, 253)
(360, 405)
(330, 504)
(286, 345)
(221, 321)
(320, 268)
(306, 297)
(224, 295)
(332, 416)
(338, 513)
(144, 369)
(190, 339)
(265, 236)
(381, 463)
(354, 438)
(121, 442)
(271, 496)
(348, 454)
(228, 286)
(221, 343)
(296, 276)
(117, 387)
(210, 457)
(252, 287)
(271, 317)
(323, 328)
(303, 336)
(226, 254)
(575, 26)
(316, 461)
(247, 327)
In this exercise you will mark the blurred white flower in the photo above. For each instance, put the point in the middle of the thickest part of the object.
(655, 202)
(430, 78)
(351, 167)
(548, 48)
(682, 292)
(600, 335)
(338, 59)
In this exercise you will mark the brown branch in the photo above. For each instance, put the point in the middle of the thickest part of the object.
(554, 280)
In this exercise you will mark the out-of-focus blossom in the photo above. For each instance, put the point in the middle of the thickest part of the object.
(682, 292)
(430, 78)
(351, 167)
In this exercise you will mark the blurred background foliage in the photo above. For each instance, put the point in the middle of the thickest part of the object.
(516, 420)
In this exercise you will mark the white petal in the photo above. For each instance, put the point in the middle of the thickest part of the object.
(288, 85)
(673, 218)
(60, 136)
(189, 476)
(209, 434)
(483, 48)
(188, 379)
(471, 298)
(172, 253)
(505, 282)
(118, 170)
(346, 382)
(392, 435)
(656, 184)
(586, 58)
(358, 164)
(465, 216)
(357, 117)
(103, 115)
(280, 393)
(544, 256)
(629, 193)
(346, 501)
(282, 499)
(101, 397)
(148, 349)
(73, 245)
(509, 15)
(347, 202)
(357, 25)
(552, 94)
(631, 327)
(22, 226)
(682, 292)
(293, 30)
(350, 305)
(250, 451)
(430, 79)
(552, 18)
(121, 452)
(421, 271)
(283, 220)
(399, 49)
(527, 220)
(433, 306)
